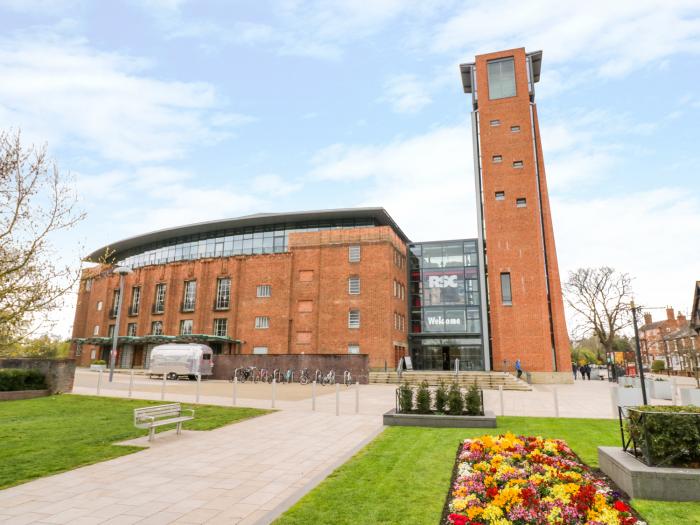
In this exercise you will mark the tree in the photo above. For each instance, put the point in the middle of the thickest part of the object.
(36, 203)
(44, 346)
(600, 296)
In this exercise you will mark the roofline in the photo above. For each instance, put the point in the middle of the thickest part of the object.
(465, 69)
(259, 219)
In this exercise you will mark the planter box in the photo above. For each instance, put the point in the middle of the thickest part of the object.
(626, 381)
(641, 481)
(391, 418)
(627, 397)
(690, 396)
(97, 368)
(22, 394)
(662, 389)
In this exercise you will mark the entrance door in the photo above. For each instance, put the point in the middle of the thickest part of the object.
(445, 357)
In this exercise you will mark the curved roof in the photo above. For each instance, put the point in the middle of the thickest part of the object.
(379, 215)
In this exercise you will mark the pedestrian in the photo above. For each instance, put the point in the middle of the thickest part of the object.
(574, 369)
(518, 368)
(588, 371)
(582, 370)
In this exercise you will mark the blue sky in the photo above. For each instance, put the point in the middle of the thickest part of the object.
(168, 112)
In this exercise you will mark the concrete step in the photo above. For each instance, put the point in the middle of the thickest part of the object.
(484, 380)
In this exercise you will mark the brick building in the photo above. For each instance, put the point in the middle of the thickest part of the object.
(349, 281)
(671, 340)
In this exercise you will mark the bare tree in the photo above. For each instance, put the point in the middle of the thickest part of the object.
(35, 203)
(600, 297)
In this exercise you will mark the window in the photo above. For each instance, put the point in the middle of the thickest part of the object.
(353, 348)
(96, 331)
(159, 304)
(115, 301)
(501, 78)
(88, 284)
(506, 293)
(354, 254)
(497, 158)
(515, 129)
(189, 296)
(110, 331)
(223, 293)
(259, 350)
(495, 123)
(186, 327)
(517, 163)
(353, 319)
(521, 202)
(135, 300)
(262, 322)
(500, 195)
(303, 338)
(157, 328)
(131, 330)
(99, 306)
(306, 276)
(305, 307)
(220, 327)
(354, 285)
(264, 290)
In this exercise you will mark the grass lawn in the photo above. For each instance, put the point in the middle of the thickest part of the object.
(403, 476)
(46, 435)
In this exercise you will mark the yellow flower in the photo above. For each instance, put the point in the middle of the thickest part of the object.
(491, 512)
(507, 497)
(474, 512)
(459, 504)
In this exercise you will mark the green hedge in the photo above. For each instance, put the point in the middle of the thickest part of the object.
(667, 435)
(12, 379)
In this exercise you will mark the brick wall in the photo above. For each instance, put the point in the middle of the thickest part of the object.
(59, 373)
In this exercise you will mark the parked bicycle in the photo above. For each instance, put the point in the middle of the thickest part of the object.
(328, 379)
(265, 376)
(347, 378)
(289, 375)
(248, 373)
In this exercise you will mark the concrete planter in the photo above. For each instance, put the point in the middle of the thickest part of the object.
(626, 381)
(655, 483)
(628, 397)
(690, 396)
(23, 394)
(391, 418)
(662, 389)
(97, 368)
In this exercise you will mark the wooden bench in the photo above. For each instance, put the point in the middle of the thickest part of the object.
(159, 415)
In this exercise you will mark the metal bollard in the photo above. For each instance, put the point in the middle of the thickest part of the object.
(199, 381)
(99, 381)
(313, 396)
(613, 401)
(274, 386)
(555, 394)
(357, 397)
(131, 382)
(500, 395)
(337, 399)
(162, 388)
(235, 388)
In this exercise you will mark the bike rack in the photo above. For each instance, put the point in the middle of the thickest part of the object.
(347, 377)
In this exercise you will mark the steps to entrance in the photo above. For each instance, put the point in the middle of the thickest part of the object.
(484, 380)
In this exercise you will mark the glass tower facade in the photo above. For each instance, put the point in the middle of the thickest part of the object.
(445, 304)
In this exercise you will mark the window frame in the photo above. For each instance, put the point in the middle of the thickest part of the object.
(222, 300)
(354, 319)
(263, 291)
(506, 289)
(262, 322)
(354, 286)
(496, 80)
(354, 253)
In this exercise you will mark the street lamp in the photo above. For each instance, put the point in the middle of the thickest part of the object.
(638, 352)
(121, 271)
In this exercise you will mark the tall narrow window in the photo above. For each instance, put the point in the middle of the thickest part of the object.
(159, 303)
(220, 327)
(354, 254)
(157, 328)
(115, 303)
(131, 329)
(96, 331)
(264, 290)
(88, 284)
(354, 285)
(189, 296)
(223, 293)
(110, 331)
(501, 78)
(135, 300)
(506, 293)
(353, 319)
(262, 322)
(186, 327)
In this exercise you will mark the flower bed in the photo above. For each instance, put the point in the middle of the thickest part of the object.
(518, 480)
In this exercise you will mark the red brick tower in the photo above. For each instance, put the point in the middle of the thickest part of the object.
(525, 307)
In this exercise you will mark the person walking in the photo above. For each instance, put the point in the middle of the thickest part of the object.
(582, 370)
(518, 368)
(588, 371)
(574, 369)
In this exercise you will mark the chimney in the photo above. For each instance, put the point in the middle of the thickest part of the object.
(681, 318)
(670, 315)
(647, 318)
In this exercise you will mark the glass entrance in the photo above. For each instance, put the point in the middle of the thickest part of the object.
(442, 354)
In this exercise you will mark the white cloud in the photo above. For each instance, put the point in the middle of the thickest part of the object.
(69, 94)
(274, 185)
(406, 94)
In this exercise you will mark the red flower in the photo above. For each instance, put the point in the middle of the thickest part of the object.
(492, 492)
(458, 519)
(621, 506)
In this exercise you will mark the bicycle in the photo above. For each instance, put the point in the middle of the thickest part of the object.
(265, 376)
(304, 378)
(347, 378)
(328, 379)
(289, 375)
(244, 374)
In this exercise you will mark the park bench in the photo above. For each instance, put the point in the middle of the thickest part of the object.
(159, 415)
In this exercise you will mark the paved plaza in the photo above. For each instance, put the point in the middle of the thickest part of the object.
(249, 472)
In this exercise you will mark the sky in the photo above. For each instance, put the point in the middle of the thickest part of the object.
(167, 112)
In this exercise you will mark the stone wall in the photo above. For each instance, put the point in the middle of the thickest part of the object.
(357, 364)
(59, 373)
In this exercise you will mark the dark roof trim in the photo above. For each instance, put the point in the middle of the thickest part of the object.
(260, 219)
(536, 57)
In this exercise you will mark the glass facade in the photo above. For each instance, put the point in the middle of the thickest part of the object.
(445, 306)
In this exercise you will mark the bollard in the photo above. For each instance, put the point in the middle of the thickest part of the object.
(313, 396)
(99, 381)
(555, 395)
(235, 387)
(162, 388)
(337, 399)
(131, 382)
(673, 390)
(199, 380)
(274, 386)
(613, 400)
(357, 397)
(500, 395)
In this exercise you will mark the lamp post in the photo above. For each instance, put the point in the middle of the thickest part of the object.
(638, 352)
(121, 271)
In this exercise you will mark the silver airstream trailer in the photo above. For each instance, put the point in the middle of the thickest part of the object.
(175, 360)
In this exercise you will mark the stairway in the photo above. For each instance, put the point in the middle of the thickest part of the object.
(484, 380)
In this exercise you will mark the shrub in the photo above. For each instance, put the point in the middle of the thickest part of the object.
(455, 401)
(99, 362)
(12, 379)
(667, 435)
(658, 366)
(423, 399)
(405, 398)
(472, 401)
(441, 398)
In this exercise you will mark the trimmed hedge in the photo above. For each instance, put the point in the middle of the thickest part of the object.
(13, 379)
